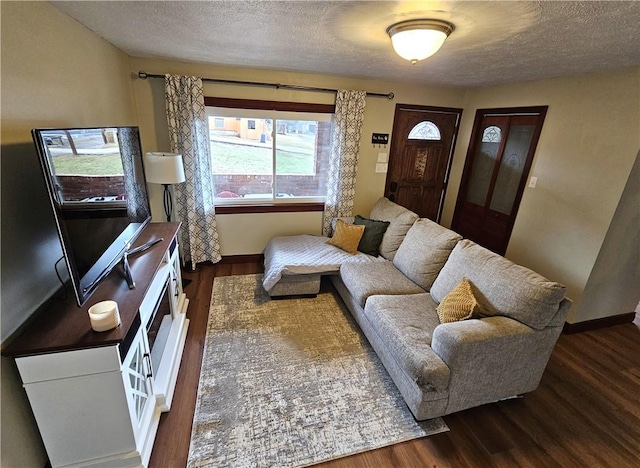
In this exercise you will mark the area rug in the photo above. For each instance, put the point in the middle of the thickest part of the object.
(291, 383)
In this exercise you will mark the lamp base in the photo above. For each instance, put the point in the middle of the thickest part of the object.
(168, 203)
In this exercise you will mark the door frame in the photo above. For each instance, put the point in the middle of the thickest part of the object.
(393, 149)
(474, 140)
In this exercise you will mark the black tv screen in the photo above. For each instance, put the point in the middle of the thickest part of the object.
(95, 178)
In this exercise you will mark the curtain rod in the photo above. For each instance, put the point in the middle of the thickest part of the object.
(143, 75)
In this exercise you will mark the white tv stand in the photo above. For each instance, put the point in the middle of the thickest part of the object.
(97, 397)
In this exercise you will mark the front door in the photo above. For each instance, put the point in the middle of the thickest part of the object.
(422, 146)
(501, 149)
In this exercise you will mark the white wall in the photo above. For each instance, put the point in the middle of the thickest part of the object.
(613, 286)
(243, 234)
(55, 72)
(588, 145)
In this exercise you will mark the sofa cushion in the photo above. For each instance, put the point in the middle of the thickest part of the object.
(407, 324)
(363, 280)
(503, 287)
(400, 219)
(347, 236)
(459, 304)
(424, 251)
(372, 237)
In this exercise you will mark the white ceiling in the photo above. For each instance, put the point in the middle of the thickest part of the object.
(493, 43)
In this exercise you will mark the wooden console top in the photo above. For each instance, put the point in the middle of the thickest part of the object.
(64, 326)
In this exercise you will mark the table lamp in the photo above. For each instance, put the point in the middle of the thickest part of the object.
(165, 169)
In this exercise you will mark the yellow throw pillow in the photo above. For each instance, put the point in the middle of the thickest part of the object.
(459, 304)
(347, 236)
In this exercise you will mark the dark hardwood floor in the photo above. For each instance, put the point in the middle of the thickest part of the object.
(586, 411)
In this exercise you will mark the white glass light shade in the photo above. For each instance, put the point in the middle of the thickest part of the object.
(418, 39)
(164, 168)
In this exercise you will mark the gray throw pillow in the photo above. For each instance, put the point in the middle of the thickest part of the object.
(401, 220)
(424, 251)
(372, 237)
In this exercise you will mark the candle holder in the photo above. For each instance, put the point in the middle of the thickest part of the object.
(104, 316)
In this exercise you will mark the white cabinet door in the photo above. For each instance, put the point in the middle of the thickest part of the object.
(167, 372)
(179, 297)
(138, 384)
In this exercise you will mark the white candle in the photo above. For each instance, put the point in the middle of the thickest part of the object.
(104, 316)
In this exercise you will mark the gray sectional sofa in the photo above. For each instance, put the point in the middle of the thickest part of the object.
(440, 368)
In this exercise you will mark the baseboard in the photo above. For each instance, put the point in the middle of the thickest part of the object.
(251, 258)
(598, 323)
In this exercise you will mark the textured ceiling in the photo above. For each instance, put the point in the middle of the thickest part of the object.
(494, 42)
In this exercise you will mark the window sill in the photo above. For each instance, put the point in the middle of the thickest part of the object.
(270, 208)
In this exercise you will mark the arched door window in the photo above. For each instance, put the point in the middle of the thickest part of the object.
(491, 134)
(426, 130)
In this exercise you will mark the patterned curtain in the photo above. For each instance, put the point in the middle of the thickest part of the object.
(189, 134)
(135, 190)
(345, 150)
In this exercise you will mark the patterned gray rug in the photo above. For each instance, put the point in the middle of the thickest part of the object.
(291, 383)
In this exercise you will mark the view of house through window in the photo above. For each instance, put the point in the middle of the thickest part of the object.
(260, 155)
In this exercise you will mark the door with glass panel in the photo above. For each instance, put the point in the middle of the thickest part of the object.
(503, 142)
(422, 145)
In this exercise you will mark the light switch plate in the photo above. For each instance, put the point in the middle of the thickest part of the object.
(381, 167)
(382, 157)
(533, 182)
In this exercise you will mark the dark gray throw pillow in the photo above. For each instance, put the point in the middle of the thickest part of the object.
(372, 237)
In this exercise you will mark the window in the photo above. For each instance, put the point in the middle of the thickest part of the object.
(426, 130)
(492, 134)
(268, 156)
(218, 123)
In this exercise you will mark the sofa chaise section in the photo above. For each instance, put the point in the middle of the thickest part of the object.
(294, 264)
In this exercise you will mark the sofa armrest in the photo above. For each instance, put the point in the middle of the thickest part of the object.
(492, 358)
(492, 338)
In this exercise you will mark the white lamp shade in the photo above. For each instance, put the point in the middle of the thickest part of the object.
(164, 168)
(415, 40)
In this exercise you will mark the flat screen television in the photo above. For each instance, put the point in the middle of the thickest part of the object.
(96, 184)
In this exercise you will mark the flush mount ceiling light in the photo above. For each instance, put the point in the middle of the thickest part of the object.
(418, 39)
